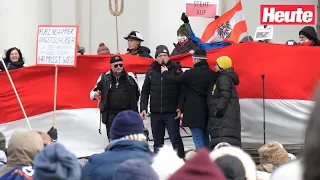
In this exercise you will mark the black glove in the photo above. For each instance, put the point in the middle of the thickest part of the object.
(53, 133)
(184, 18)
(218, 113)
(146, 133)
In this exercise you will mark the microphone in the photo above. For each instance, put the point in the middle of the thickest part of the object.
(263, 109)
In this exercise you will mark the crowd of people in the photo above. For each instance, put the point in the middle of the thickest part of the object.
(39, 156)
(210, 106)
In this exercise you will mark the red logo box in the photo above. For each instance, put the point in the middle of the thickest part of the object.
(287, 14)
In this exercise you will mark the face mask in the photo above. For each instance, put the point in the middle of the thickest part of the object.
(305, 41)
(181, 39)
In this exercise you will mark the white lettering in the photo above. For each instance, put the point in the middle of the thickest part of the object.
(279, 16)
(299, 14)
(307, 16)
(268, 15)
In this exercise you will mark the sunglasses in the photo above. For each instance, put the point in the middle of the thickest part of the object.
(118, 65)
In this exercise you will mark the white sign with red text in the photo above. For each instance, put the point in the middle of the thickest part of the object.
(287, 14)
(205, 8)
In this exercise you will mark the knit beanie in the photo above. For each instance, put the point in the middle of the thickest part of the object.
(56, 162)
(103, 49)
(135, 169)
(200, 168)
(184, 30)
(114, 59)
(161, 49)
(273, 153)
(2, 142)
(224, 62)
(126, 123)
(200, 54)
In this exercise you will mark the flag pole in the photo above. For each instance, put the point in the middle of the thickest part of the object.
(17, 95)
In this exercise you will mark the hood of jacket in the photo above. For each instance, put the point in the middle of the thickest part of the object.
(233, 75)
(309, 30)
(23, 147)
(139, 50)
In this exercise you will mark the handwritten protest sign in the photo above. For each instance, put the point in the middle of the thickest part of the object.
(202, 8)
(57, 45)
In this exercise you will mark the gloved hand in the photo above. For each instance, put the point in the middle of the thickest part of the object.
(184, 18)
(218, 113)
(146, 133)
(53, 133)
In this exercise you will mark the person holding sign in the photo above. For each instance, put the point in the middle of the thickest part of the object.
(13, 59)
(193, 37)
(118, 91)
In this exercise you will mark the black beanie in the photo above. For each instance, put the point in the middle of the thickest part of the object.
(200, 54)
(161, 49)
(114, 59)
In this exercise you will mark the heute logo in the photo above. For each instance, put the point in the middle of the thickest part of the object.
(287, 14)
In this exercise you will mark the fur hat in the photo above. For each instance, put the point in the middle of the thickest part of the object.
(190, 154)
(247, 162)
(184, 30)
(273, 153)
(166, 162)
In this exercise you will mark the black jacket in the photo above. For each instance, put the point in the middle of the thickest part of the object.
(196, 81)
(223, 97)
(188, 46)
(12, 65)
(103, 85)
(165, 97)
(142, 51)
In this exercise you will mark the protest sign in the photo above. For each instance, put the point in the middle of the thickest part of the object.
(263, 33)
(205, 8)
(57, 45)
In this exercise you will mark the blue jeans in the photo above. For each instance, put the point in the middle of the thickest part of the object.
(200, 138)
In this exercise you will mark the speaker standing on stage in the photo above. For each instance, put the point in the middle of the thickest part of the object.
(195, 111)
(118, 90)
(166, 101)
(224, 123)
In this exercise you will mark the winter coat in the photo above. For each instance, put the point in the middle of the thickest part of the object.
(103, 166)
(165, 96)
(183, 48)
(103, 85)
(206, 46)
(195, 114)
(142, 51)
(12, 65)
(223, 98)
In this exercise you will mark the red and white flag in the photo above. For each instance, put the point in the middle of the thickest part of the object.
(289, 83)
(206, 9)
(229, 26)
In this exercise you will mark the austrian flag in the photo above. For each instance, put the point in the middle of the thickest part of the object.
(229, 26)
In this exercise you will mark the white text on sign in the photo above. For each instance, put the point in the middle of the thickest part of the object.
(287, 14)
